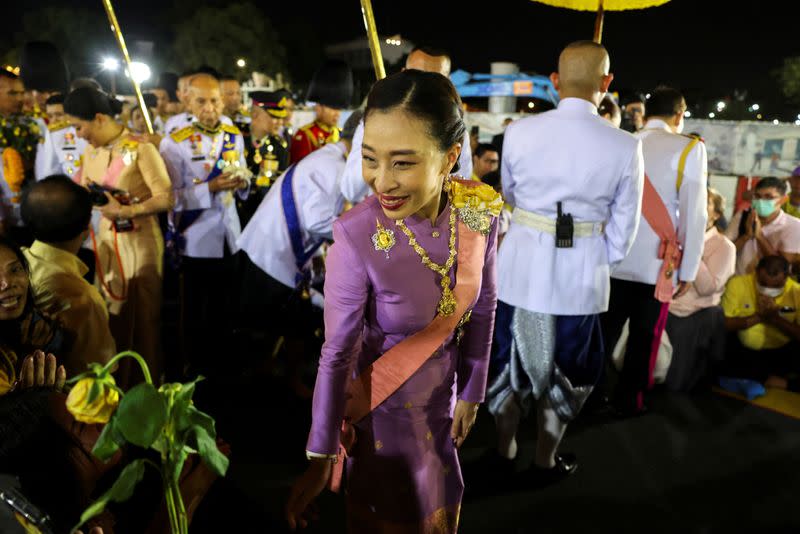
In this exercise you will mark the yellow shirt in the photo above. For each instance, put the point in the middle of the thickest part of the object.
(740, 300)
(792, 209)
(60, 291)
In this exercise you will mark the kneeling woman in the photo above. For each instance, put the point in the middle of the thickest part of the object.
(129, 245)
(409, 309)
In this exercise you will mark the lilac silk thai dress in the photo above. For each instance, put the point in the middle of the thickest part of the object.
(403, 473)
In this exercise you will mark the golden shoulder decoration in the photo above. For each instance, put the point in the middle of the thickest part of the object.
(476, 205)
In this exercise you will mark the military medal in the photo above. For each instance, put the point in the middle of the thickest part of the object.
(383, 239)
(257, 158)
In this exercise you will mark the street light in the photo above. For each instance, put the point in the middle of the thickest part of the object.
(712, 115)
(687, 114)
(776, 122)
(139, 71)
(531, 105)
(110, 64)
(241, 63)
(756, 107)
(720, 105)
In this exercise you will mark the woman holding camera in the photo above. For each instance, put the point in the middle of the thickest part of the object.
(131, 187)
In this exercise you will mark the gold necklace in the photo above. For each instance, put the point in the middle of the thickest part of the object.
(447, 303)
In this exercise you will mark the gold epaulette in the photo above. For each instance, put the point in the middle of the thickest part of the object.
(60, 125)
(182, 135)
(231, 129)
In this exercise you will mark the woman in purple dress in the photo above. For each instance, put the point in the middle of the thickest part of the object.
(393, 282)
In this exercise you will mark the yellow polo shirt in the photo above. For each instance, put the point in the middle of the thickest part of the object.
(60, 291)
(740, 300)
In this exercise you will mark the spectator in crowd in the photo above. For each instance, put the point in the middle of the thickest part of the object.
(761, 308)
(633, 115)
(26, 334)
(485, 159)
(765, 229)
(609, 110)
(58, 212)
(696, 323)
(792, 207)
(497, 140)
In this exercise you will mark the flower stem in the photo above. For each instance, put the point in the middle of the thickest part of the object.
(135, 356)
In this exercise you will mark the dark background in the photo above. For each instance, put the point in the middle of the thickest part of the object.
(707, 48)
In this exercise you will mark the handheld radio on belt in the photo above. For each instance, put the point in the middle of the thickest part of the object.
(565, 229)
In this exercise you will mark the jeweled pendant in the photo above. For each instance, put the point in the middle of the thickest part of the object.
(447, 304)
(383, 238)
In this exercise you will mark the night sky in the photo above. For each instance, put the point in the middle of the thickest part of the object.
(707, 48)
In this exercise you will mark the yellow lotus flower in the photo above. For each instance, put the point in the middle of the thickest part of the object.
(482, 198)
(101, 409)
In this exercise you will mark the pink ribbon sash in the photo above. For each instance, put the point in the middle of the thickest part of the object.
(655, 212)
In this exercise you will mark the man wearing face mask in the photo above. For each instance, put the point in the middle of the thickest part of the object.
(666, 254)
(765, 229)
(761, 308)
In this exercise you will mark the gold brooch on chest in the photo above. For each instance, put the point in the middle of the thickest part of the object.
(383, 239)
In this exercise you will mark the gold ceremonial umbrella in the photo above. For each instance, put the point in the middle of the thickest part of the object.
(601, 6)
(372, 38)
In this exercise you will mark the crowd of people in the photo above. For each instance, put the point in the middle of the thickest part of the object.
(548, 270)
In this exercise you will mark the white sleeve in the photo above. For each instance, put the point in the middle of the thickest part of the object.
(318, 209)
(506, 171)
(188, 196)
(47, 161)
(693, 199)
(352, 184)
(626, 209)
(465, 159)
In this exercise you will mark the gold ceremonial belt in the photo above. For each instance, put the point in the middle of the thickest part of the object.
(545, 224)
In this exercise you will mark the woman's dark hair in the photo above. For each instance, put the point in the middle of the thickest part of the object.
(428, 96)
(86, 102)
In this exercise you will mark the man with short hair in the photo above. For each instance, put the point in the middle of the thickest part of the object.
(668, 249)
(65, 138)
(575, 183)
(161, 114)
(207, 166)
(485, 160)
(186, 118)
(426, 58)
(763, 309)
(765, 229)
(58, 212)
(29, 140)
(232, 100)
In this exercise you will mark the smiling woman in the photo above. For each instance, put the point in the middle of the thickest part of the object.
(23, 329)
(409, 304)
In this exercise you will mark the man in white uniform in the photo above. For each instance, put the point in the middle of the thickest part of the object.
(292, 222)
(207, 166)
(668, 247)
(576, 184)
(354, 188)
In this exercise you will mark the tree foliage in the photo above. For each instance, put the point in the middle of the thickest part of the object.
(219, 36)
(789, 77)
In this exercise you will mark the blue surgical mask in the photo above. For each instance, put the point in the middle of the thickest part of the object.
(764, 206)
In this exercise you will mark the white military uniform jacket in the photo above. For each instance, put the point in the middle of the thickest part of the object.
(68, 146)
(319, 201)
(181, 120)
(355, 189)
(687, 208)
(45, 164)
(190, 155)
(574, 156)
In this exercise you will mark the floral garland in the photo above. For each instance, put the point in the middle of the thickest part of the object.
(19, 137)
(476, 204)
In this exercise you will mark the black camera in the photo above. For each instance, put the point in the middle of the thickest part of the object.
(97, 194)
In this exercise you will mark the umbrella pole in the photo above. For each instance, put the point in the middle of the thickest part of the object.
(112, 19)
(598, 23)
(372, 38)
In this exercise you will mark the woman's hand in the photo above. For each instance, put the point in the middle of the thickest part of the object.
(39, 370)
(113, 209)
(305, 490)
(463, 419)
